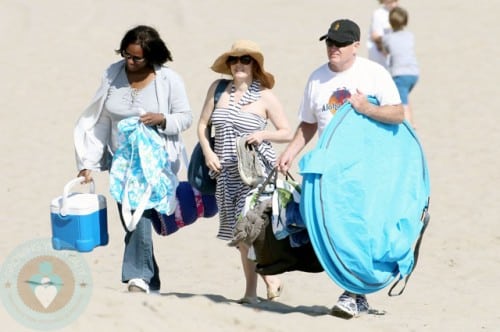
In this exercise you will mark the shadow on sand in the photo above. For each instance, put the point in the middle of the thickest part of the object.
(272, 306)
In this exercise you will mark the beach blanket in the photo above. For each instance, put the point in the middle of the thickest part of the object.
(191, 205)
(365, 196)
(140, 174)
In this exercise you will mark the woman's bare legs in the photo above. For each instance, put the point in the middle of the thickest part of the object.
(273, 284)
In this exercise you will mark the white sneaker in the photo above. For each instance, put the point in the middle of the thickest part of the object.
(346, 307)
(138, 285)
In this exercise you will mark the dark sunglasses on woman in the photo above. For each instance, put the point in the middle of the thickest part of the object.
(244, 60)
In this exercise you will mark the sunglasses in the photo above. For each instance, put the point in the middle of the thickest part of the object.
(128, 56)
(244, 60)
(331, 43)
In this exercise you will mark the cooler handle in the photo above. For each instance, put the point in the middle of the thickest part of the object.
(68, 187)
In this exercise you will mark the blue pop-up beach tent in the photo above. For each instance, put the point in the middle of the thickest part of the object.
(365, 196)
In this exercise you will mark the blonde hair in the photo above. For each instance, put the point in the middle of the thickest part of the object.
(398, 18)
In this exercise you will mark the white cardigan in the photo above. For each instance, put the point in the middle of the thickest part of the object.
(91, 147)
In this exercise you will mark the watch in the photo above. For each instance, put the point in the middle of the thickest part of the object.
(163, 123)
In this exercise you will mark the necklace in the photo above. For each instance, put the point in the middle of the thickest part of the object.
(134, 92)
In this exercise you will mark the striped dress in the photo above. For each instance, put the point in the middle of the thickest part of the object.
(231, 123)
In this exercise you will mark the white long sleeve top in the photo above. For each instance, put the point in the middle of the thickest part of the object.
(92, 142)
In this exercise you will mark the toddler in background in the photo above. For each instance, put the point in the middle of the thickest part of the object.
(399, 46)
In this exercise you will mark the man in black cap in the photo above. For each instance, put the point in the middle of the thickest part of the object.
(346, 77)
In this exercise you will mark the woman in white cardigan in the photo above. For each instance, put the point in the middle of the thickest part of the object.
(139, 85)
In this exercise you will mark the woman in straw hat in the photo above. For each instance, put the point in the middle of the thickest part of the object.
(243, 110)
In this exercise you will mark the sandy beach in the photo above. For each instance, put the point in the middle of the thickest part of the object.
(53, 54)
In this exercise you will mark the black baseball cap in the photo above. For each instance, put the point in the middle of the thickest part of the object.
(343, 31)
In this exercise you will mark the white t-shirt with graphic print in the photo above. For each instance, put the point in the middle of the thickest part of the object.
(327, 90)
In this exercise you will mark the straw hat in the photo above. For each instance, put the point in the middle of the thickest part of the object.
(239, 48)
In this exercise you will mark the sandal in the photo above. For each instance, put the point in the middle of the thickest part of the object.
(274, 294)
(249, 167)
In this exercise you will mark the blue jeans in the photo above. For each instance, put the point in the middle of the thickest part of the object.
(405, 83)
(138, 259)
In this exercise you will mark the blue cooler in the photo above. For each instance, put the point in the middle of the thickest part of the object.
(79, 220)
